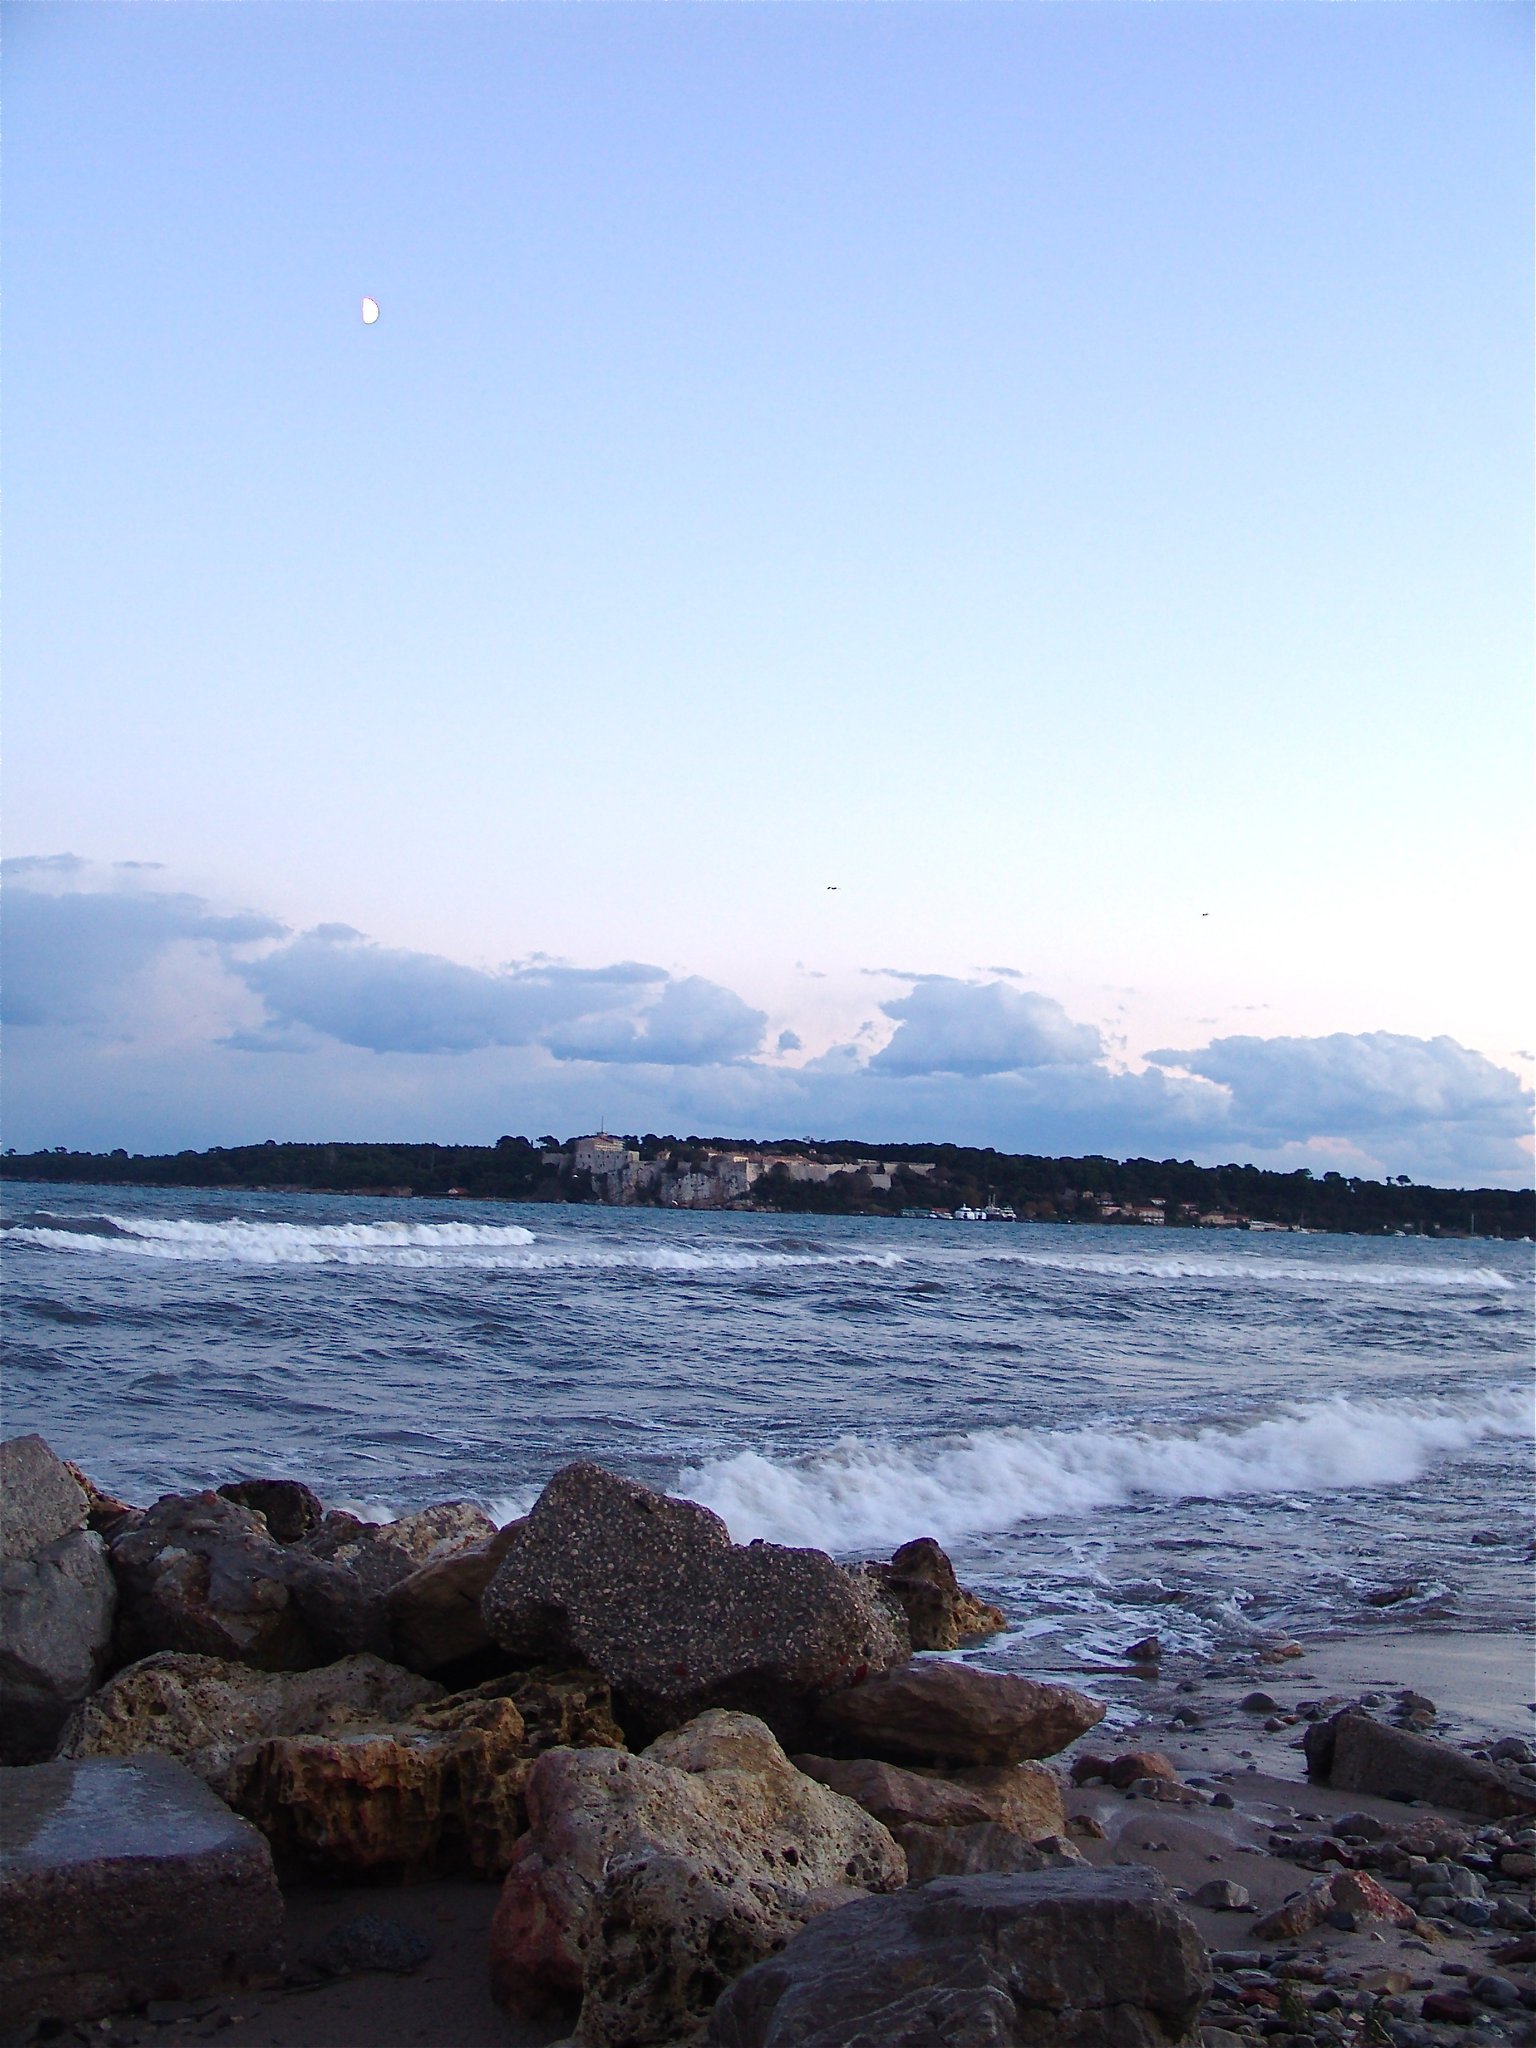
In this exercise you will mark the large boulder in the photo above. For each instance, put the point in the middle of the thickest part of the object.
(434, 1614)
(1054, 1959)
(948, 1714)
(204, 1710)
(202, 1574)
(56, 1611)
(1354, 1753)
(712, 1833)
(1023, 1798)
(39, 1501)
(438, 1795)
(124, 1881)
(652, 1593)
(941, 1614)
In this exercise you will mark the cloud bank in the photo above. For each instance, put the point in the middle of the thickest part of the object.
(144, 1016)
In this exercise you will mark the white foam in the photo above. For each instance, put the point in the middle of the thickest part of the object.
(861, 1495)
(1261, 1270)
(407, 1244)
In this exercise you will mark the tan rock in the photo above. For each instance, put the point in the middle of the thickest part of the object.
(560, 1709)
(434, 1614)
(438, 1794)
(202, 1710)
(714, 1812)
(949, 1714)
(1023, 1798)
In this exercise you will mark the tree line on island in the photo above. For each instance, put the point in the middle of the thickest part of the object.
(841, 1178)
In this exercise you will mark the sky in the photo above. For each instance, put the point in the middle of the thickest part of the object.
(898, 571)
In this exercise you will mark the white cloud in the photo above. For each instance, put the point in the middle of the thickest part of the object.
(115, 1041)
(963, 1027)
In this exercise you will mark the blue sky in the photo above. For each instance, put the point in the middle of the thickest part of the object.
(1060, 474)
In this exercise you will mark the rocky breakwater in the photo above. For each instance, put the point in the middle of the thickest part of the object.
(591, 1704)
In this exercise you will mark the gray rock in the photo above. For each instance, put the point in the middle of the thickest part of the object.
(1083, 1959)
(652, 1593)
(953, 1714)
(1355, 1753)
(202, 1574)
(369, 1942)
(39, 1501)
(977, 1849)
(56, 1614)
(124, 1881)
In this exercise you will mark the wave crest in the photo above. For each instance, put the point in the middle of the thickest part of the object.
(861, 1496)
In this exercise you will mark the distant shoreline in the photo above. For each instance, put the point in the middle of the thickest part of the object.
(797, 1176)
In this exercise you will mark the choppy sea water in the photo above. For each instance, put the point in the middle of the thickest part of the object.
(1216, 1437)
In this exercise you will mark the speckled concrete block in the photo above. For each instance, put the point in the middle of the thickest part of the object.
(125, 1879)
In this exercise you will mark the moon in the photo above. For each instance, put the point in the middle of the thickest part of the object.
(370, 311)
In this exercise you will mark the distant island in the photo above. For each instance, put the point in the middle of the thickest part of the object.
(844, 1178)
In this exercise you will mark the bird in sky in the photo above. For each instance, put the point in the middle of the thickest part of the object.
(831, 888)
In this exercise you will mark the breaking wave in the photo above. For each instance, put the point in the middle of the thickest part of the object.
(397, 1244)
(1261, 1271)
(861, 1495)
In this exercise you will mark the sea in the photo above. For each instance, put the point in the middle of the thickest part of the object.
(1219, 1437)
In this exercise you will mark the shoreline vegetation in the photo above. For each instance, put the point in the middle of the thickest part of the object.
(840, 1178)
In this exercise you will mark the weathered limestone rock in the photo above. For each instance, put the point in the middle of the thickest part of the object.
(560, 1709)
(202, 1574)
(39, 1501)
(434, 1614)
(714, 1814)
(940, 1613)
(203, 1710)
(56, 1614)
(126, 1881)
(652, 1593)
(1057, 1959)
(1354, 1753)
(671, 1936)
(1023, 1798)
(978, 1849)
(951, 1714)
(440, 1793)
(1347, 1891)
(291, 1511)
